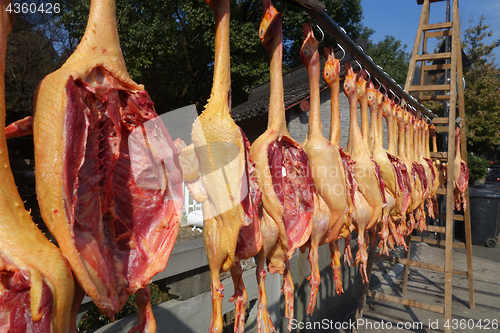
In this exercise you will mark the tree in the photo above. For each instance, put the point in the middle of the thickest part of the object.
(168, 45)
(347, 14)
(482, 93)
(32, 53)
(477, 167)
(391, 55)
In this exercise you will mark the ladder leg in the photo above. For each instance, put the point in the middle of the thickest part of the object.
(424, 17)
(468, 247)
(455, 47)
(422, 63)
(448, 296)
(405, 272)
(463, 144)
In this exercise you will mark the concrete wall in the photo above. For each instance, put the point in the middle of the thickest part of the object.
(187, 272)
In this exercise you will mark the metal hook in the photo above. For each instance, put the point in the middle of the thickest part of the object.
(379, 84)
(322, 33)
(396, 96)
(343, 55)
(284, 10)
(385, 89)
(359, 64)
(392, 92)
(369, 76)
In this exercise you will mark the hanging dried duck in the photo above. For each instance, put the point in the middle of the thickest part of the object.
(107, 174)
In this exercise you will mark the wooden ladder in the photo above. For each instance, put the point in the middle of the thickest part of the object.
(453, 63)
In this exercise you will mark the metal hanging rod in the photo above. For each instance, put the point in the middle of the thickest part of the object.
(317, 10)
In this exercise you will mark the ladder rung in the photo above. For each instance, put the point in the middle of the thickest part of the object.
(456, 217)
(440, 129)
(436, 98)
(431, 1)
(433, 56)
(440, 120)
(436, 26)
(442, 33)
(436, 67)
(441, 191)
(430, 87)
(440, 242)
(408, 302)
(439, 154)
(418, 264)
(435, 228)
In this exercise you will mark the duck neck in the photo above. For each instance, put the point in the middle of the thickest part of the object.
(335, 113)
(5, 174)
(418, 143)
(395, 130)
(434, 142)
(409, 140)
(458, 154)
(221, 87)
(391, 147)
(276, 101)
(373, 139)
(101, 26)
(426, 142)
(401, 140)
(315, 125)
(355, 136)
(365, 126)
(422, 142)
(379, 135)
(415, 150)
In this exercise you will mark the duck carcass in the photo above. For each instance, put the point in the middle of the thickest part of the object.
(331, 75)
(432, 205)
(397, 221)
(461, 174)
(36, 284)
(427, 165)
(107, 173)
(219, 172)
(419, 168)
(404, 154)
(369, 197)
(393, 172)
(284, 178)
(327, 171)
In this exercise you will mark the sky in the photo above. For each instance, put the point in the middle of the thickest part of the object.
(399, 18)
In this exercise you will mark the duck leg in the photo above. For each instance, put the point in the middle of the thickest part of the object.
(146, 322)
(239, 298)
(335, 255)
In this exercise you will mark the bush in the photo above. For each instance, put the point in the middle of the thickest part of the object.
(93, 319)
(477, 167)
